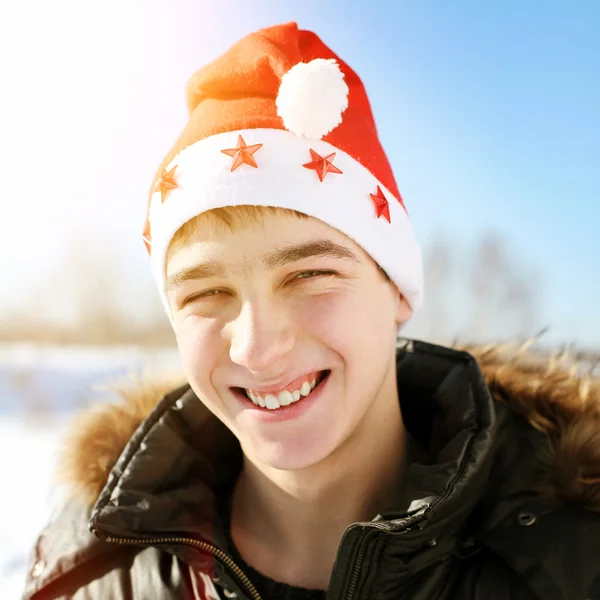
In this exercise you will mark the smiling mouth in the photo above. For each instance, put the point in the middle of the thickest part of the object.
(284, 398)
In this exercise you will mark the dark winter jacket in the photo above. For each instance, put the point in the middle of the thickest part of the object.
(508, 508)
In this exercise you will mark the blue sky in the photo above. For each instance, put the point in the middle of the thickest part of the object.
(489, 112)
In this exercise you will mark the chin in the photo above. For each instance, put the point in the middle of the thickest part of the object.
(290, 454)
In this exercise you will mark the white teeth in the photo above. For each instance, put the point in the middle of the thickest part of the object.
(305, 389)
(285, 398)
(271, 401)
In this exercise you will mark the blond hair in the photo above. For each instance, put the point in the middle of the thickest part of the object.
(229, 218)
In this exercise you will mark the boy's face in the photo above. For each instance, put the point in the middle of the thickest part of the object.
(256, 310)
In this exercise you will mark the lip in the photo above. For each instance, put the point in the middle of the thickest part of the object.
(284, 413)
(278, 386)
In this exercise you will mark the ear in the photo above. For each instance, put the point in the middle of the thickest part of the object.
(403, 310)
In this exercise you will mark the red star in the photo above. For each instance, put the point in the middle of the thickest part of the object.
(146, 236)
(382, 206)
(166, 183)
(322, 165)
(242, 154)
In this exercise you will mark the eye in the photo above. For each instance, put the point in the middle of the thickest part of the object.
(208, 295)
(313, 274)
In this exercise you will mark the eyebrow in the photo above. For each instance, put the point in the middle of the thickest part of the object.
(271, 260)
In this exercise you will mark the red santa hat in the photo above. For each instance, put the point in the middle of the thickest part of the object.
(280, 120)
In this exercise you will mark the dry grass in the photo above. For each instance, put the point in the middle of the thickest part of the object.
(107, 330)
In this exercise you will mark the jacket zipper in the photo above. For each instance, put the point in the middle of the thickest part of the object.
(410, 522)
(356, 571)
(204, 546)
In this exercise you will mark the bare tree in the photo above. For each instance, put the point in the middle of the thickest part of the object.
(439, 264)
(503, 295)
(93, 288)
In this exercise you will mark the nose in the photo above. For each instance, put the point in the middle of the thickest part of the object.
(260, 336)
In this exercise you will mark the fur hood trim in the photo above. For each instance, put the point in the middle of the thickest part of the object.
(559, 397)
(553, 394)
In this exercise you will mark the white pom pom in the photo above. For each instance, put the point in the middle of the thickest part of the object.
(312, 97)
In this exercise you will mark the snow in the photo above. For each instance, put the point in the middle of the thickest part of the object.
(40, 389)
(25, 504)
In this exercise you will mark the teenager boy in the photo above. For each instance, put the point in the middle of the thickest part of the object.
(310, 454)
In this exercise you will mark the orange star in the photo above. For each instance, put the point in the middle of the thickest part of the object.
(322, 165)
(166, 183)
(242, 154)
(146, 236)
(382, 206)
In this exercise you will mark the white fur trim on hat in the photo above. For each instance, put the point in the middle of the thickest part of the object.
(205, 181)
(312, 97)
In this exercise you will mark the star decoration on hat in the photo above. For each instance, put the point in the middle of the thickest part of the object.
(166, 183)
(242, 154)
(322, 165)
(382, 206)
(146, 237)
